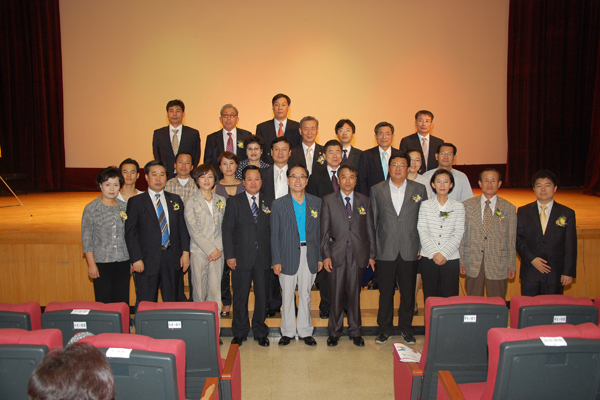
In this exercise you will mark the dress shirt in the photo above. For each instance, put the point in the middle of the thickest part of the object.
(163, 201)
(462, 188)
(210, 208)
(250, 201)
(185, 190)
(300, 211)
(397, 195)
(388, 151)
(280, 179)
(426, 155)
(347, 152)
(103, 231)
(492, 205)
(548, 210)
(179, 129)
(233, 137)
(284, 122)
(330, 170)
(351, 195)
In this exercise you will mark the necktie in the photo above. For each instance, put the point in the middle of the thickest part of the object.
(254, 209)
(543, 218)
(487, 216)
(334, 181)
(229, 143)
(349, 212)
(425, 151)
(345, 157)
(175, 142)
(309, 160)
(280, 131)
(162, 220)
(384, 164)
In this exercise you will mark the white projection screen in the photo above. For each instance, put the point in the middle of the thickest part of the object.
(369, 61)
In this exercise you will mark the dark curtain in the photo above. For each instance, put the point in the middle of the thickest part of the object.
(592, 177)
(552, 83)
(31, 104)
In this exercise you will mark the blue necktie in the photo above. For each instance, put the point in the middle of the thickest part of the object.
(384, 164)
(349, 211)
(162, 220)
(254, 209)
(345, 157)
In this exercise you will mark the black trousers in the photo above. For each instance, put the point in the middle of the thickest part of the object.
(242, 281)
(168, 279)
(226, 286)
(535, 288)
(181, 295)
(322, 280)
(405, 274)
(274, 292)
(112, 286)
(440, 280)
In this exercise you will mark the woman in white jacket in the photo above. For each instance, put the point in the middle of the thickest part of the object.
(441, 226)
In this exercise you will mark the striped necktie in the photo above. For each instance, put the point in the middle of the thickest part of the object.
(254, 209)
(162, 220)
(175, 142)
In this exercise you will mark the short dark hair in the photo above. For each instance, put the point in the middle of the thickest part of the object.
(153, 163)
(491, 170)
(176, 102)
(129, 161)
(254, 139)
(420, 151)
(382, 124)
(301, 165)
(424, 112)
(279, 140)
(78, 372)
(280, 95)
(399, 154)
(454, 149)
(544, 174)
(204, 169)
(229, 156)
(441, 172)
(107, 173)
(309, 118)
(350, 168)
(341, 123)
(332, 142)
(251, 168)
(187, 153)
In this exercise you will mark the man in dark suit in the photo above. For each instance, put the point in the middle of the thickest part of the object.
(546, 240)
(344, 130)
(347, 247)
(296, 255)
(245, 223)
(396, 204)
(230, 138)
(157, 238)
(309, 152)
(279, 126)
(372, 167)
(168, 141)
(423, 140)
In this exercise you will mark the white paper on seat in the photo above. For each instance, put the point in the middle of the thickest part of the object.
(553, 341)
(406, 354)
(80, 312)
(116, 352)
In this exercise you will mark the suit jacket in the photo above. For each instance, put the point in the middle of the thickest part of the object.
(298, 157)
(266, 130)
(163, 151)
(353, 159)
(285, 240)
(268, 182)
(142, 231)
(496, 246)
(397, 234)
(319, 183)
(214, 147)
(414, 142)
(203, 226)
(441, 235)
(558, 246)
(370, 171)
(243, 239)
(337, 229)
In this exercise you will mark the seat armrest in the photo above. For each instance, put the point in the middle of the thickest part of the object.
(211, 389)
(448, 386)
(228, 369)
(415, 369)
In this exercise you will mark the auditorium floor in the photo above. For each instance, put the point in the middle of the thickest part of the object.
(298, 371)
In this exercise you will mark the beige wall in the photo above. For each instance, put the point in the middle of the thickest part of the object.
(367, 61)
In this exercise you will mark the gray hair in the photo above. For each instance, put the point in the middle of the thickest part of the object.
(229, 106)
(309, 118)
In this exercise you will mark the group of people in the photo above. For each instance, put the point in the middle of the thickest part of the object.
(277, 212)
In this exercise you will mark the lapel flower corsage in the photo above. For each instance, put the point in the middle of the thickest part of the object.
(445, 214)
(314, 213)
(500, 214)
(361, 210)
(241, 144)
(176, 206)
(321, 159)
(220, 205)
(561, 221)
(265, 208)
(417, 198)
(123, 215)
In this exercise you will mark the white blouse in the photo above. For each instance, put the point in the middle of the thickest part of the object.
(441, 228)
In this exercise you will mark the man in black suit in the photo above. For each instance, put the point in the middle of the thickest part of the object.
(247, 251)
(157, 238)
(546, 240)
(170, 140)
(321, 183)
(230, 138)
(373, 164)
(344, 131)
(279, 126)
(309, 152)
(423, 140)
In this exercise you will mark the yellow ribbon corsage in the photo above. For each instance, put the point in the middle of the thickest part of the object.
(314, 213)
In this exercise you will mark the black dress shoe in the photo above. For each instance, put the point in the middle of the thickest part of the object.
(285, 340)
(408, 338)
(309, 341)
(262, 341)
(373, 285)
(324, 314)
(358, 341)
(332, 341)
(238, 340)
(382, 338)
(272, 313)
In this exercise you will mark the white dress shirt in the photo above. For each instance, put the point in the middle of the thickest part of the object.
(397, 195)
(280, 179)
(171, 133)
(284, 122)
(351, 195)
(312, 154)
(233, 137)
(250, 199)
(163, 201)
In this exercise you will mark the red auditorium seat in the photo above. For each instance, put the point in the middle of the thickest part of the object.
(22, 315)
(551, 309)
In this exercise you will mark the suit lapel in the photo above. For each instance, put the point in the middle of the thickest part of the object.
(288, 206)
(553, 217)
(477, 216)
(377, 161)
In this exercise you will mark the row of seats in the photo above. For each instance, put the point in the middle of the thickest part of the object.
(456, 336)
(186, 334)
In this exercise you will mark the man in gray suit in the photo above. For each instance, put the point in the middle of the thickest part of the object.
(296, 255)
(396, 202)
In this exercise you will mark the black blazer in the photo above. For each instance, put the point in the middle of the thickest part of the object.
(319, 183)
(142, 232)
(243, 239)
(214, 147)
(354, 158)
(298, 157)
(163, 151)
(414, 142)
(370, 172)
(266, 130)
(558, 246)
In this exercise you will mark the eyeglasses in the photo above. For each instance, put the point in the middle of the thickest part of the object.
(342, 130)
(446, 153)
(228, 116)
(386, 134)
(297, 177)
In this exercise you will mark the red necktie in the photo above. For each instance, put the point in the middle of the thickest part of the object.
(229, 143)
(280, 131)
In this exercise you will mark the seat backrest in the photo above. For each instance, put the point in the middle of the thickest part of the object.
(521, 366)
(597, 304)
(77, 316)
(153, 369)
(20, 352)
(194, 323)
(551, 309)
(22, 315)
(456, 338)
